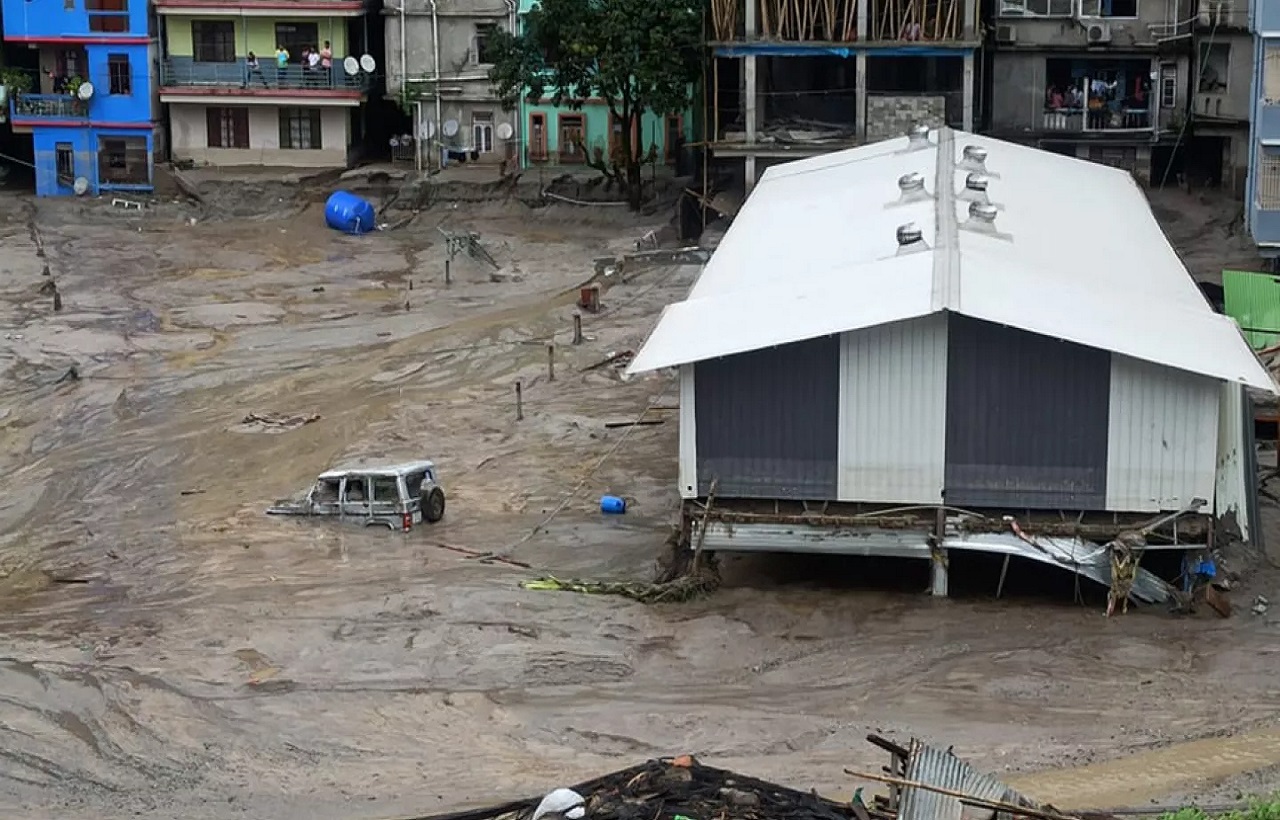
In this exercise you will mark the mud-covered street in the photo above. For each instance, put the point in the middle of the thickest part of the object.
(170, 651)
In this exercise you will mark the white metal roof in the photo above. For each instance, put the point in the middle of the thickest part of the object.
(1076, 254)
(378, 469)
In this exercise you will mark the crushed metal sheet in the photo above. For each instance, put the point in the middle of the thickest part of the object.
(1072, 554)
(931, 766)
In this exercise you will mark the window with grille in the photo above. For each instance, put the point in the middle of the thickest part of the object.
(228, 127)
(1268, 174)
(1168, 86)
(109, 16)
(1036, 8)
(1271, 73)
(213, 41)
(300, 128)
(118, 74)
(64, 156)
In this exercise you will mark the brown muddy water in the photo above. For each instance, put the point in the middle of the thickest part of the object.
(221, 664)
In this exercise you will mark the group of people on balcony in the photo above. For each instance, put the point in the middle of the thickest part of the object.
(1105, 106)
(317, 66)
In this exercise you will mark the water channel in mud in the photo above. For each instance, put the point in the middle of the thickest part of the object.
(219, 663)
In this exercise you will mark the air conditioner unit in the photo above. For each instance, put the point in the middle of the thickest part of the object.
(1006, 34)
(1098, 33)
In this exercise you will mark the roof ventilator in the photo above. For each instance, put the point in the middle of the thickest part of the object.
(912, 187)
(974, 158)
(910, 239)
(975, 190)
(982, 219)
(918, 138)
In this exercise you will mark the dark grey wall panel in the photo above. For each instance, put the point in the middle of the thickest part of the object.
(768, 421)
(1026, 419)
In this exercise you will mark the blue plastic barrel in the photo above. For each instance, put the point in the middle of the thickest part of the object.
(349, 213)
(612, 505)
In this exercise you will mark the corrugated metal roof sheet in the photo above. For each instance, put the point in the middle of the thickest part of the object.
(814, 251)
(1253, 300)
(937, 767)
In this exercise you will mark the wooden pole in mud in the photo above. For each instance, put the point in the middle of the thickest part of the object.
(577, 328)
(551, 362)
(447, 280)
(519, 401)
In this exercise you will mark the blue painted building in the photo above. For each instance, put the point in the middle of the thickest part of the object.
(91, 112)
(1262, 200)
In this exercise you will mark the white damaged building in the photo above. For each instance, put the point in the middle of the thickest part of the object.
(949, 342)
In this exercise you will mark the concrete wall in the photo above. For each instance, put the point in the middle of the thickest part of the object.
(189, 125)
(1063, 31)
(1231, 60)
(257, 34)
(465, 85)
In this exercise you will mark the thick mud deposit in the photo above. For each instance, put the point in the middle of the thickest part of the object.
(222, 664)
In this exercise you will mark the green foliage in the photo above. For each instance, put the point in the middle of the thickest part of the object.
(635, 55)
(17, 80)
(1259, 809)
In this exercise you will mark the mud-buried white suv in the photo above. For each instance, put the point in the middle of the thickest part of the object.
(396, 496)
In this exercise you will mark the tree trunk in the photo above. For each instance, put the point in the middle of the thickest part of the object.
(631, 158)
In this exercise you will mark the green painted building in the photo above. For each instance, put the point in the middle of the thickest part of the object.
(562, 135)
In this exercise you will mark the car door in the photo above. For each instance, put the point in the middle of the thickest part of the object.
(355, 497)
(386, 500)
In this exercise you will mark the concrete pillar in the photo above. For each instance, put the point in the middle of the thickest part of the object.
(864, 18)
(860, 84)
(749, 170)
(938, 582)
(968, 29)
(968, 91)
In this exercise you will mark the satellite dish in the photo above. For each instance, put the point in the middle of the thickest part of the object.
(367, 63)
(426, 130)
(80, 186)
(450, 128)
(505, 131)
(85, 91)
(351, 65)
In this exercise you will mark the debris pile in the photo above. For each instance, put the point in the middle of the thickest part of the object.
(925, 783)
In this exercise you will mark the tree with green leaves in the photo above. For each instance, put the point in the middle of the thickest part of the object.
(636, 55)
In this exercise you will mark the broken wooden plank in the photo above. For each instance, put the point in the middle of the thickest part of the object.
(634, 423)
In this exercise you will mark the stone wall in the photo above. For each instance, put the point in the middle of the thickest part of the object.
(892, 116)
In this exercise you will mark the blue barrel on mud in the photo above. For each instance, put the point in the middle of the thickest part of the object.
(613, 505)
(349, 213)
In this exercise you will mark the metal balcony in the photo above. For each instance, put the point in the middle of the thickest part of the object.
(185, 73)
(49, 106)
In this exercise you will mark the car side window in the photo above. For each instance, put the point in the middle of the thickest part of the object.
(413, 483)
(385, 490)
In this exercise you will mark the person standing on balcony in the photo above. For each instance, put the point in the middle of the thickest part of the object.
(282, 64)
(313, 67)
(252, 68)
(326, 61)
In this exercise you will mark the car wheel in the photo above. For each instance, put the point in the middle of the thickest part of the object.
(433, 505)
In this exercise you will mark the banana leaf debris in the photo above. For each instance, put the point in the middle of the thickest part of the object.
(924, 783)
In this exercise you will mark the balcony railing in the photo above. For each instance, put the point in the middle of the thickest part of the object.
(49, 106)
(187, 73)
(1097, 119)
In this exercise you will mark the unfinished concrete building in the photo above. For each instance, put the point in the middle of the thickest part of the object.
(1221, 96)
(949, 379)
(796, 78)
(1103, 80)
(438, 69)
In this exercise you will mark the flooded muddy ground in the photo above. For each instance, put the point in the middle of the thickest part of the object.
(218, 663)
